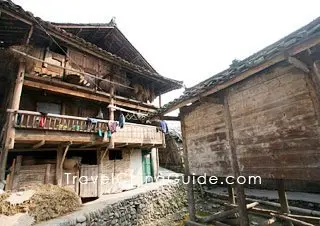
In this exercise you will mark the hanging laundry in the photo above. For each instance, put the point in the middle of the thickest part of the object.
(164, 127)
(42, 120)
(109, 134)
(91, 122)
(19, 116)
(112, 126)
(100, 133)
(122, 120)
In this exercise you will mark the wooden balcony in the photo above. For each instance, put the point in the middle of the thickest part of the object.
(32, 129)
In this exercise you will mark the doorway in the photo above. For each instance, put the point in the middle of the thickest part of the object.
(147, 166)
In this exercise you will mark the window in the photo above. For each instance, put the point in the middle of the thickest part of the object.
(115, 155)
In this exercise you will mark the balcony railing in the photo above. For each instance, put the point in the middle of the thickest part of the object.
(131, 133)
(36, 120)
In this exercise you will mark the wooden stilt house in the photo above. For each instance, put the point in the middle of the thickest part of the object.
(72, 97)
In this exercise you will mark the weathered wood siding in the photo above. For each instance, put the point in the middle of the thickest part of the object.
(275, 125)
(117, 171)
(206, 140)
(275, 128)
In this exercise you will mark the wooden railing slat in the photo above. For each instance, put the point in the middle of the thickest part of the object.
(134, 133)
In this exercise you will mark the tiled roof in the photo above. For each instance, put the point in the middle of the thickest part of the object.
(238, 67)
(12, 7)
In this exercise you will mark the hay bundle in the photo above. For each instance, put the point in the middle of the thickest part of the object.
(47, 202)
(10, 57)
(143, 93)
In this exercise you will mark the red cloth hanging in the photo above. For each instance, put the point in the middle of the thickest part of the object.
(42, 120)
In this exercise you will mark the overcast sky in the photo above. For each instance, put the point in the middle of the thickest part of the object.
(187, 40)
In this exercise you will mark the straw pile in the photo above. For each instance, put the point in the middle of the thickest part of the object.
(47, 202)
(143, 93)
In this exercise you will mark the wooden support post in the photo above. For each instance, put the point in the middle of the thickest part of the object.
(241, 199)
(15, 182)
(10, 181)
(47, 176)
(100, 156)
(64, 155)
(10, 131)
(111, 111)
(188, 177)
(99, 161)
(298, 64)
(232, 198)
(160, 102)
(284, 205)
(61, 155)
(39, 144)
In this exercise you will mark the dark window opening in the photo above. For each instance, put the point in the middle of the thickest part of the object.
(58, 49)
(115, 155)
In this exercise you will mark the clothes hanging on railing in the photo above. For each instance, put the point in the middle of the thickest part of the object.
(122, 120)
(112, 126)
(42, 120)
(164, 127)
(19, 116)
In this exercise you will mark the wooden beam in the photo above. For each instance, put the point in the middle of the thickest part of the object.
(298, 64)
(241, 199)
(122, 145)
(71, 26)
(82, 94)
(29, 35)
(39, 144)
(316, 69)
(210, 99)
(170, 118)
(291, 220)
(66, 148)
(104, 154)
(16, 16)
(225, 213)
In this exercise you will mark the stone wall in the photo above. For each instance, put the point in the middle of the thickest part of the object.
(140, 209)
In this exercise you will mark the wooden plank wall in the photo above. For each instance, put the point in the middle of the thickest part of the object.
(275, 128)
(35, 174)
(275, 125)
(206, 140)
(117, 169)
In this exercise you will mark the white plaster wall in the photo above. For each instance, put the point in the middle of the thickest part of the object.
(136, 167)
